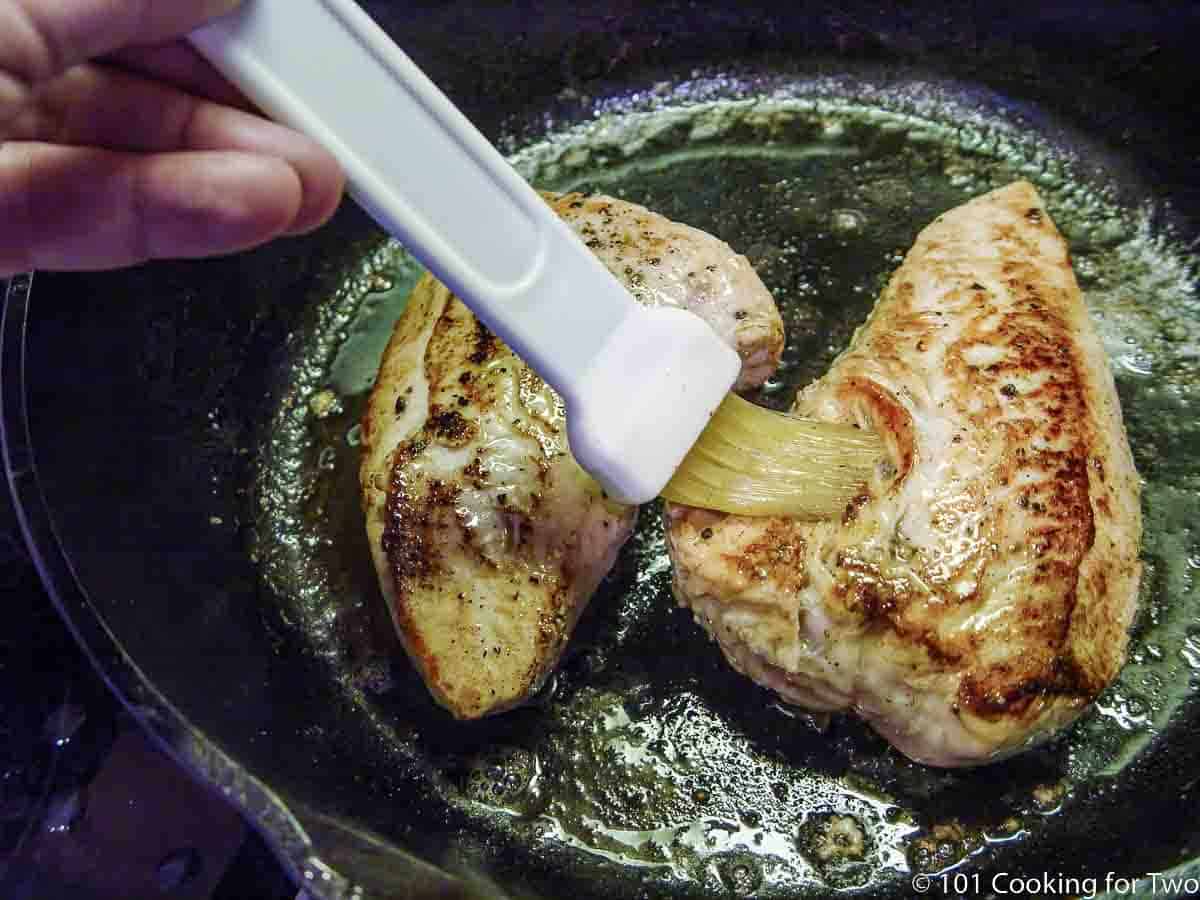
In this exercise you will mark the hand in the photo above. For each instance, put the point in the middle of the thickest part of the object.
(146, 153)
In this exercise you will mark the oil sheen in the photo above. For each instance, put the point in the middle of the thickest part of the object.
(645, 758)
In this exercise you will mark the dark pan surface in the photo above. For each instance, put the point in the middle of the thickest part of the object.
(193, 431)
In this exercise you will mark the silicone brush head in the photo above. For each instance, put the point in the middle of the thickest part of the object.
(756, 462)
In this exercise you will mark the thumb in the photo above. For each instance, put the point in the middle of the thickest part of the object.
(40, 39)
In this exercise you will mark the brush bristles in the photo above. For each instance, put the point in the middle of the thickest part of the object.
(756, 462)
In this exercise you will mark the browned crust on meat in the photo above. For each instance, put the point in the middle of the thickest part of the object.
(410, 519)
(777, 553)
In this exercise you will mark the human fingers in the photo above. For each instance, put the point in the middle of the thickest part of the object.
(179, 63)
(42, 38)
(98, 106)
(83, 208)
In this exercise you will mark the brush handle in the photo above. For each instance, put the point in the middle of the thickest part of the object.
(423, 171)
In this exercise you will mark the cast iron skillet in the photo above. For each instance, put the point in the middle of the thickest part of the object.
(130, 401)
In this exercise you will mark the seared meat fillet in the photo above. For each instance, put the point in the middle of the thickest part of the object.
(488, 538)
(977, 596)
